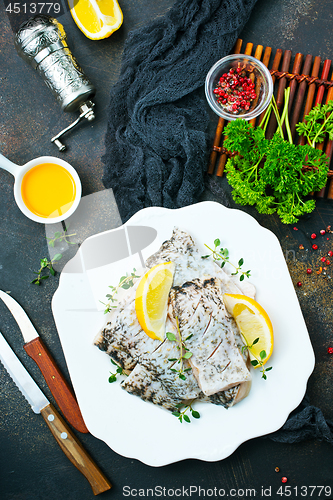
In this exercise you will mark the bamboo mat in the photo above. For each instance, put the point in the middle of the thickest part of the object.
(307, 76)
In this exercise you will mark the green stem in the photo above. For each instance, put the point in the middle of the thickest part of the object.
(264, 122)
(277, 116)
(313, 144)
(285, 116)
(180, 345)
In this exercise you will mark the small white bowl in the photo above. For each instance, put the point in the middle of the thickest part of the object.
(19, 172)
(263, 81)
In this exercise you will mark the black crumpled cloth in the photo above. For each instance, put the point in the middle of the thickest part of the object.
(306, 422)
(156, 141)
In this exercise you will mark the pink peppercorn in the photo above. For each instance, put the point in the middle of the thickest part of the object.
(322, 231)
(309, 271)
(330, 253)
(315, 247)
(330, 350)
(328, 262)
(323, 259)
(299, 283)
(284, 479)
(313, 236)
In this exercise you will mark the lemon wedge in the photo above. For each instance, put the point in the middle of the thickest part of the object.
(253, 323)
(151, 299)
(97, 19)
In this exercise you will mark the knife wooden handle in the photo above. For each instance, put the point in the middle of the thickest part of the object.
(74, 450)
(58, 386)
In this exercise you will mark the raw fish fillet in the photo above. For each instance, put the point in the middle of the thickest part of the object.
(196, 298)
(217, 363)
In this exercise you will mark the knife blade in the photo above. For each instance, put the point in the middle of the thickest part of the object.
(60, 430)
(37, 350)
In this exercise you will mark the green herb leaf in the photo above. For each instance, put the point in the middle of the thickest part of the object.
(262, 354)
(275, 175)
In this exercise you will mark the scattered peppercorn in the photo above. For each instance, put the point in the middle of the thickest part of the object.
(320, 270)
(277, 469)
(295, 228)
(284, 479)
(330, 253)
(328, 262)
(322, 231)
(299, 283)
(313, 236)
(309, 271)
(323, 259)
(330, 350)
(315, 247)
(301, 247)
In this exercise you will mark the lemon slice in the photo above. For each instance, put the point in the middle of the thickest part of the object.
(151, 299)
(253, 323)
(97, 19)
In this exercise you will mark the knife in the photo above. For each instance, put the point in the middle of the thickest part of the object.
(36, 349)
(60, 430)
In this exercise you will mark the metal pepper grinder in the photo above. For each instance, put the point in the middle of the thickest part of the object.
(41, 41)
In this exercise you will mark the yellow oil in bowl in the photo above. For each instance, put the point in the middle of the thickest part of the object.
(48, 190)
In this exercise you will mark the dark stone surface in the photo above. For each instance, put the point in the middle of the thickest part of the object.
(31, 464)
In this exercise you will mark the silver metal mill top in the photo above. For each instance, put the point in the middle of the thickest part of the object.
(41, 42)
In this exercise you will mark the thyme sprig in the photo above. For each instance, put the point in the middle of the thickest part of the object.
(46, 266)
(119, 371)
(181, 415)
(184, 352)
(125, 282)
(222, 254)
(257, 362)
(61, 236)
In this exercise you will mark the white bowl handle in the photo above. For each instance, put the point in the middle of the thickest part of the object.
(8, 165)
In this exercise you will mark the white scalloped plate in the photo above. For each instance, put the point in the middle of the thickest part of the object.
(140, 430)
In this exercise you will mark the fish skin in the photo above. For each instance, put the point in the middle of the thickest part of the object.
(181, 250)
(124, 341)
(216, 360)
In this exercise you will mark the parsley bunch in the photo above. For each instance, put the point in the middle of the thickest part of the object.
(276, 175)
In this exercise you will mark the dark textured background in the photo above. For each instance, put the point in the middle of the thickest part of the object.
(31, 464)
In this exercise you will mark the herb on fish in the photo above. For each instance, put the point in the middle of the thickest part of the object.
(222, 254)
(184, 352)
(258, 362)
(45, 266)
(58, 236)
(275, 175)
(181, 415)
(119, 371)
(125, 282)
